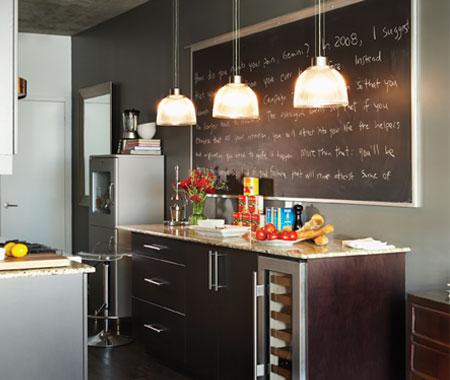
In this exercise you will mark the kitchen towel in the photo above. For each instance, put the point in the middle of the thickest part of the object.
(367, 244)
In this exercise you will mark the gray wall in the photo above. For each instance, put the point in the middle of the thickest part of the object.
(134, 51)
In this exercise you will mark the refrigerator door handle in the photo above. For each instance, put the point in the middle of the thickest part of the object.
(258, 291)
(111, 192)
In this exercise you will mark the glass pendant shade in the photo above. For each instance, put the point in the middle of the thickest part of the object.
(320, 86)
(236, 100)
(176, 110)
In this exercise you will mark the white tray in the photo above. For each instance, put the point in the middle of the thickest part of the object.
(279, 243)
(221, 232)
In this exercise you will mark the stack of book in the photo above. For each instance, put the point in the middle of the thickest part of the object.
(140, 147)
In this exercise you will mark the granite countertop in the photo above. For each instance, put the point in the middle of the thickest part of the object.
(74, 268)
(302, 250)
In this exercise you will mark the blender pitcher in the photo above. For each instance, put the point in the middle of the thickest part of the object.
(130, 123)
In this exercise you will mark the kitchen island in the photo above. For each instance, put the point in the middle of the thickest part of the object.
(238, 309)
(44, 323)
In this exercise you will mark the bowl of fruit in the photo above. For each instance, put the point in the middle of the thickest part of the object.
(271, 236)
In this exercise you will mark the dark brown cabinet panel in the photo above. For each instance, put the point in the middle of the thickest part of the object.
(170, 250)
(202, 314)
(159, 282)
(236, 319)
(220, 313)
(429, 335)
(162, 331)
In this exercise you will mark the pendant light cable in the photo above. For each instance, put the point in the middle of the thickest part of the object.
(315, 27)
(175, 42)
(320, 29)
(236, 37)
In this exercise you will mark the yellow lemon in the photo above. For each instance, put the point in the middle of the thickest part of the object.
(8, 247)
(19, 250)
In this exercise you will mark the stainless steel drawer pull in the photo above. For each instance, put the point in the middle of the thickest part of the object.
(156, 281)
(156, 328)
(154, 247)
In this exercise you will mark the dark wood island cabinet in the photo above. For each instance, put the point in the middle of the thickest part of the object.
(222, 310)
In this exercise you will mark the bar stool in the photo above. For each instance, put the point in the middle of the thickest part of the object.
(107, 337)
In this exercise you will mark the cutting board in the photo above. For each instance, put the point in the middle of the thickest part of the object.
(35, 261)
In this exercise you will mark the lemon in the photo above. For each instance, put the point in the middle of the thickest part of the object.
(19, 250)
(8, 247)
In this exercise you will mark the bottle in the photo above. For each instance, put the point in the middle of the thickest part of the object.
(298, 209)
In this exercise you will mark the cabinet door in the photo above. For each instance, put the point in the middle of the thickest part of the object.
(8, 101)
(202, 313)
(236, 315)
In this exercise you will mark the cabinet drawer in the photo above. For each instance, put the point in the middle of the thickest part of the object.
(431, 324)
(159, 282)
(429, 364)
(165, 249)
(162, 331)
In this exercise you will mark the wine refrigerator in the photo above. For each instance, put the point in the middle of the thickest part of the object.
(280, 320)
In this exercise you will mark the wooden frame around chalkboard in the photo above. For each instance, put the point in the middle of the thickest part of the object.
(415, 91)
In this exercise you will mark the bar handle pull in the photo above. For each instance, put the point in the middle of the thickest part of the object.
(155, 247)
(156, 328)
(258, 291)
(210, 264)
(156, 281)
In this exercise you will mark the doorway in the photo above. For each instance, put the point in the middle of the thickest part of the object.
(34, 198)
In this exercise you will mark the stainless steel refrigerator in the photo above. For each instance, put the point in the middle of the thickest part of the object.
(125, 189)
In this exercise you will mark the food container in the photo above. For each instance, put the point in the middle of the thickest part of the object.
(242, 203)
(251, 185)
(255, 204)
(257, 221)
(281, 217)
(246, 219)
(237, 219)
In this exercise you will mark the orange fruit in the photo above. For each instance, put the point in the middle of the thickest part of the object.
(19, 250)
(8, 247)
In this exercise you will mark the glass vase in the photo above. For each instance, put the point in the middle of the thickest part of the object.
(198, 212)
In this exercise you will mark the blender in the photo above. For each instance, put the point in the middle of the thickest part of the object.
(130, 122)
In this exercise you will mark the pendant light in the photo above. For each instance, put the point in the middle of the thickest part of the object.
(320, 85)
(176, 109)
(236, 100)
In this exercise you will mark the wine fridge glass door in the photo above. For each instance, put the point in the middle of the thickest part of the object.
(281, 317)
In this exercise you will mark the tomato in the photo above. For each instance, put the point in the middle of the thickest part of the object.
(293, 235)
(260, 234)
(272, 236)
(284, 235)
(270, 228)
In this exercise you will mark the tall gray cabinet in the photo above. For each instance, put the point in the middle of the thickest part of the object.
(125, 189)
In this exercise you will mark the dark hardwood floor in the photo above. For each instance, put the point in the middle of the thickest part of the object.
(128, 362)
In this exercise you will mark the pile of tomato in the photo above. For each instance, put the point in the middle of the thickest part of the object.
(270, 232)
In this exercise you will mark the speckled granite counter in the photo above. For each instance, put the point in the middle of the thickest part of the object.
(303, 250)
(74, 268)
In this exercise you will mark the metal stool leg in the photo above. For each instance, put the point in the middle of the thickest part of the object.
(107, 338)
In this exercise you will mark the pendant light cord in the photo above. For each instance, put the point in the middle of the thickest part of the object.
(236, 32)
(175, 42)
(320, 28)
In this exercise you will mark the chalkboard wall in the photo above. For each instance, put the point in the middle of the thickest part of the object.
(360, 153)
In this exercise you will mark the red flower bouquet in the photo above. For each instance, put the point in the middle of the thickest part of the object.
(197, 186)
